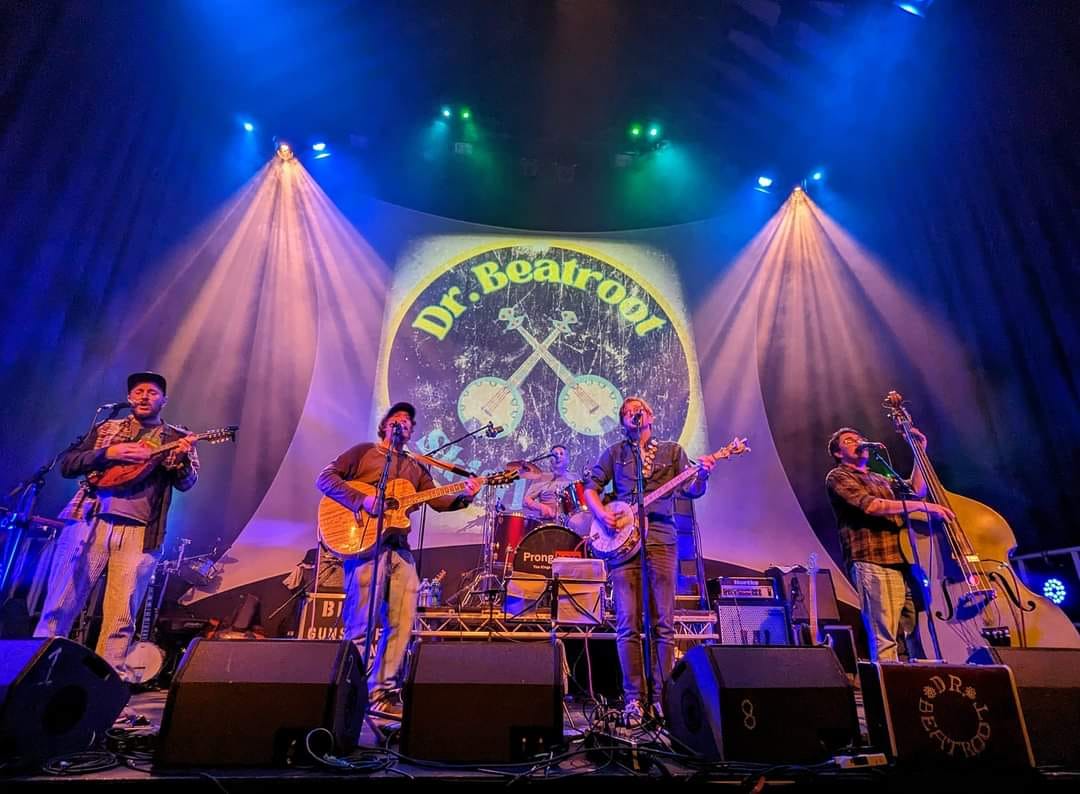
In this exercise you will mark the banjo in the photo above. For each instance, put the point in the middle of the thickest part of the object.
(145, 659)
(618, 544)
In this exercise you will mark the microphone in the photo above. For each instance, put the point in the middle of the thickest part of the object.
(396, 430)
(636, 418)
(869, 445)
(113, 406)
(493, 430)
(538, 458)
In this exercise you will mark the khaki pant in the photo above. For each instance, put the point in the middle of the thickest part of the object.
(84, 551)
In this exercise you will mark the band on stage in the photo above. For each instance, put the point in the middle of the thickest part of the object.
(620, 508)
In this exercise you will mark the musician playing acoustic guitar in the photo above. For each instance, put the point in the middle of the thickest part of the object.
(663, 460)
(120, 530)
(398, 582)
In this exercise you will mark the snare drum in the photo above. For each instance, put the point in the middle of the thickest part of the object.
(539, 548)
(576, 514)
(511, 527)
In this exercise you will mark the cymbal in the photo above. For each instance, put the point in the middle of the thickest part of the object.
(525, 470)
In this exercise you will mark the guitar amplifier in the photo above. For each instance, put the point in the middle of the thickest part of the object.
(752, 624)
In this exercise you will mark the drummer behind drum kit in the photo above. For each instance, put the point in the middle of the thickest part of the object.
(521, 546)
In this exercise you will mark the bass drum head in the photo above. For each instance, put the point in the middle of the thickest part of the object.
(539, 548)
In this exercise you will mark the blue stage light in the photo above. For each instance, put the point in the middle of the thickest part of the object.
(764, 181)
(916, 7)
(321, 155)
(817, 176)
(1054, 589)
(320, 146)
(249, 127)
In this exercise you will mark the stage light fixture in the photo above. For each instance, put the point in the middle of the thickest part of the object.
(466, 114)
(817, 176)
(446, 112)
(1054, 589)
(285, 151)
(249, 127)
(915, 7)
(318, 147)
(765, 181)
(322, 155)
(654, 131)
(635, 131)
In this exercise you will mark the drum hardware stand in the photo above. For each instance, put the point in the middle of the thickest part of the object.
(486, 585)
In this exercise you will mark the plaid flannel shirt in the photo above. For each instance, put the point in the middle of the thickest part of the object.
(863, 537)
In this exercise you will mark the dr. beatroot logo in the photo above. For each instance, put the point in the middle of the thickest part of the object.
(543, 341)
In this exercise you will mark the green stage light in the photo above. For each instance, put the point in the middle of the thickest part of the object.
(635, 131)
(466, 114)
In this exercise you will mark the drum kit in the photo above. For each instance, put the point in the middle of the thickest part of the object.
(518, 542)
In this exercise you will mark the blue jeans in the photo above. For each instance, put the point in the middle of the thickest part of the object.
(395, 611)
(626, 582)
(887, 607)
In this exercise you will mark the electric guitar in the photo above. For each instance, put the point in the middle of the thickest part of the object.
(349, 534)
(621, 543)
(122, 475)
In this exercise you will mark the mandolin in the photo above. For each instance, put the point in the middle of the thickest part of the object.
(123, 475)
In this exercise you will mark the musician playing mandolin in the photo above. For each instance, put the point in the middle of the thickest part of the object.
(662, 460)
(120, 531)
(869, 514)
(398, 582)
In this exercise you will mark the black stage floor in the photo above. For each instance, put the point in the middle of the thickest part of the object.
(629, 759)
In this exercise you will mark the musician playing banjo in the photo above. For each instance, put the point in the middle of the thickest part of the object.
(398, 582)
(663, 460)
(118, 532)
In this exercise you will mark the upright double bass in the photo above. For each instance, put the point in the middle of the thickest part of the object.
(974, 599)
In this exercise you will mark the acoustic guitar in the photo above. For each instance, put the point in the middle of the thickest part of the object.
(349, 534)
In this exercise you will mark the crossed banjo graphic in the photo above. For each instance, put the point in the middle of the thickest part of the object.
(588, 404)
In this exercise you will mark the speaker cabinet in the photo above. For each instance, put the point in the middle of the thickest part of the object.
(253, 702)
(945, 715)
(1048, 682)
(483, 702)
(762, 704)
(56, 697)
(752, 624)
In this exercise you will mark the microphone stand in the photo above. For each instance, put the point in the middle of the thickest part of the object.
(25, 495)
(380, 502)
(423, 508)
(646, 620)
(917, 575)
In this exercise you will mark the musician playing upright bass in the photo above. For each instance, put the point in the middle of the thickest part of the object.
(868, 512)
(662, 460)
(120, 531)
(397, 583)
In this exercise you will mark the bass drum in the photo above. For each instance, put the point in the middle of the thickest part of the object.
(542, 545)
(511, 528)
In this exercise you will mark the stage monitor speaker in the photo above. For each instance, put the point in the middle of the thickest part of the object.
(56, 697)
(945, 715)
(483, 702)
(1048, 682)
(253, 702)
(752, 624)
(761, 704)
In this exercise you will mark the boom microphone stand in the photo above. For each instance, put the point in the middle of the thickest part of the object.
(24, 496)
